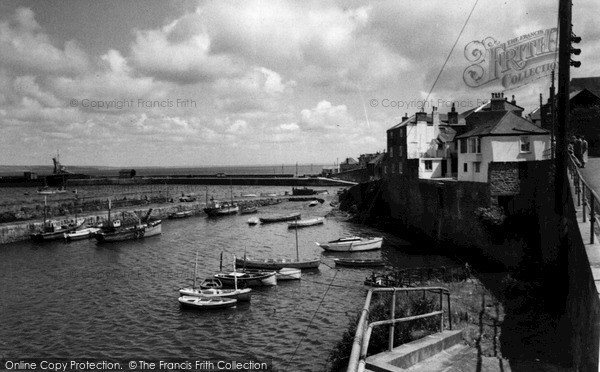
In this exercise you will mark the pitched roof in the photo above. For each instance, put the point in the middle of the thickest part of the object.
(500, 123)
(591, 83)
(411, 119)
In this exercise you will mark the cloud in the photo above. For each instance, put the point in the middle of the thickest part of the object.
(26, 49)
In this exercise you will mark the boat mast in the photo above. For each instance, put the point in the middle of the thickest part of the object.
(108, 223)
(234, 273)
(297, 254)
(195, 270)
(45, 212)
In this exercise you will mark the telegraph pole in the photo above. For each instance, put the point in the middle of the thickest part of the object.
(564, 64)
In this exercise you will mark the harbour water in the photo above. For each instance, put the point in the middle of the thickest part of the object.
(119, 300)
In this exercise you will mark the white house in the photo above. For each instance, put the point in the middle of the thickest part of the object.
(424, 137)
(500, 136)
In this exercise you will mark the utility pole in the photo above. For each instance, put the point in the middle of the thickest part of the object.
(564, 77)
(553, 115)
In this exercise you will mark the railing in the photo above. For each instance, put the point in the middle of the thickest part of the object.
(358, 355)
(548, 153)
(586, 196)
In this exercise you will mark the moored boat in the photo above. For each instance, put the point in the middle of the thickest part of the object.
(249, 210)
(86, 233)
(253, 221)
(313, 203)
(277, 263)
(216, 291)
(358, 263)
(248, 278)
(139, 231)
(206, 303)
(280, 218)
(181, 214)
(306, 223)
(216, 209)
(52, 231)
(352, 244)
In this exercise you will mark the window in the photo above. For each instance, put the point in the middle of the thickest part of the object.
(465, 167)
(391, 151)
(463, 145)
(400, 150)
(391, 135)
(477, 166)
(474, 145)
(400, 168)
(525, 144)
(428, 165)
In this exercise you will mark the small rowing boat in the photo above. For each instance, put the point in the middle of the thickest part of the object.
(352, 244)
(280, 218)
(288, 273)
(306, 223)
(206, 303)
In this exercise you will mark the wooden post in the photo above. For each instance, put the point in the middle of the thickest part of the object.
(584, 200)
(449, 312)
(442, 310)
(592, 219)
(393, 316)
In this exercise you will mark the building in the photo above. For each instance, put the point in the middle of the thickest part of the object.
(422, 144)
(348, 165)
(499, 136)
(127, 173)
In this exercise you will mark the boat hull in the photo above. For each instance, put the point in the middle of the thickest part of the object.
(290, 217)
(306, 223)
(277, 264)
(206, 304)
(221, 211)
(357, 263)
(262, 279)
(288, 273)
(237, 294)
(352, 246)
(87, 233)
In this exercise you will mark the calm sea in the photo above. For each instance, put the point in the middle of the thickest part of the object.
(119, 301)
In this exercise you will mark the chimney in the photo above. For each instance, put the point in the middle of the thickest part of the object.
(405, 117)
(513, 101)
(435, 116)
(497, 102)
(421, 117)
(453, 116)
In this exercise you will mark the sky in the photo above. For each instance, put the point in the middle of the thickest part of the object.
(253, 82)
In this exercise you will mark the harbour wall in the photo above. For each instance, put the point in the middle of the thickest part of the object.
(509, 222)
(18, 231)
(192, 180)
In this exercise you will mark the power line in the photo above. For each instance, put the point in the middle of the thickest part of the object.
(451, 50)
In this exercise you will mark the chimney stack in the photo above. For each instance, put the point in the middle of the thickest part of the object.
(513, 101)
(405, 117)
(453, 116)
(497, 102)
(420, 117)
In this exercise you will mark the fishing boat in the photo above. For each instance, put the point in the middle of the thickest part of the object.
(278, 263)
(306, 223)
(288, 273)
(352, 244)
(238, 294)
(206, 303)
(313, 203)
(216, 208)
(280, 218)
(85, 233)
(182, 214)
(249, 210)
(347, 262)
(114, 231)
(52, 231)
(253, 221)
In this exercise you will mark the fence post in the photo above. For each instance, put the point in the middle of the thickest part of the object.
(449, 312)
(578, 188)
(441, 310)
(592, 218)
(584, 204)
(393, 316)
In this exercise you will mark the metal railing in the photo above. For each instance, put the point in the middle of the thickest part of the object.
(586, 196)
(358, 355)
